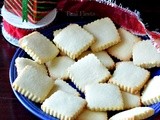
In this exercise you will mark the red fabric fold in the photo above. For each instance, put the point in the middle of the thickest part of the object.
(14, 31)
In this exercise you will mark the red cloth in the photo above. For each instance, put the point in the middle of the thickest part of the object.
(14, 31)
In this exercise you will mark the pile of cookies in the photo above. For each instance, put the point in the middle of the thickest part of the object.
(85, 55)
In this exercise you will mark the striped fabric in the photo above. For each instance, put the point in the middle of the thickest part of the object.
(37, 9)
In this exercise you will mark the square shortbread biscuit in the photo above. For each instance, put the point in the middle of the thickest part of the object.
(151, 93)
(55, 33)
(73, 40)
(105, 59)
(146, 55)
(21, 62)
(129, 77)
(138, 113)
(33, 84)
(123, 50)
(130, 100)
(103, 97)
(59, 84)
(38, 47)
(85, 53)
(88, 70)
(92, 115)
(63, 105)
(58, 67)
(103, 56)
(105, 34)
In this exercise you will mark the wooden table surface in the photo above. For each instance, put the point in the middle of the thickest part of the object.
(10, 107)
